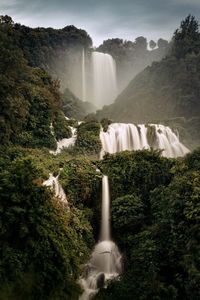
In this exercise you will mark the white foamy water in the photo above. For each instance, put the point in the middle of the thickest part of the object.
(105, 262)
(56, 187)
(120, 137)
(65, 143)
(105, 211)
(104, 79)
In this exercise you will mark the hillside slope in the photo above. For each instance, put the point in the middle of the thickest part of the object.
(167, 89)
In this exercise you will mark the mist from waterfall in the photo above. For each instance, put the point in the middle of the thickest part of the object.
(92, 77)
(120, 137)
(105, 262)
(104, 79)
(83, 76)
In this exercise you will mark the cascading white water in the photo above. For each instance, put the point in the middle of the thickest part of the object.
(105, 262)
(104, 79)
(64, 143)
(120, 137)
(105, 215)
(56, 187)
(83, 76)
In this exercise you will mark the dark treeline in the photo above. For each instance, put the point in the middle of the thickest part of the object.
(30, 99)
(133, 57)
(43, 47)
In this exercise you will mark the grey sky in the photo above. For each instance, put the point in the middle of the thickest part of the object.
(103, 19)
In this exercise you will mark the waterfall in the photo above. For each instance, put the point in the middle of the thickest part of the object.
(104, 79)
(105, 262)
(120, 137)
(64, 143)
(105, 216)
(83, 76)
(56, 187)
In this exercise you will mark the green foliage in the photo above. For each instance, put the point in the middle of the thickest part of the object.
(81, 182)
(75, 108)
(138, 172)
(128, 216)
(60, 127)
(176, 209)
(29, 98)
(160, 244)
(88, 140)
(132, 56)
(42, 243)
(105, 123)
(155, 201)
(54, 50)
(186, 39)
(167, 89)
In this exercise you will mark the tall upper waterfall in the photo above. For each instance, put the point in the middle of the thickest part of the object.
(121, 137)
(104, 79)
(83, 76)
(105, 262)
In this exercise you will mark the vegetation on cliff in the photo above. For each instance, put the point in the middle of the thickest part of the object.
(133, 57)
(29, 98)
(43, 244)
(167, 89)
(155, 201)
(155, 221)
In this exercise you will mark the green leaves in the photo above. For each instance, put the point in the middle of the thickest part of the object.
(88, 140)
(128, 213)
(42, 243)
(186, 39)
(155, 219)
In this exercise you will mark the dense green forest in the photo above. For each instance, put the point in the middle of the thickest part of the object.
(155, 210)
(155, 222)
(30, 100)
(167, 89)
(43, 242)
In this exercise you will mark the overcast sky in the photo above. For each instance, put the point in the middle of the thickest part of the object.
(103, 19)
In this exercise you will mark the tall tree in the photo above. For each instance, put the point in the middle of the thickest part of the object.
(152, 44)
(186, 39)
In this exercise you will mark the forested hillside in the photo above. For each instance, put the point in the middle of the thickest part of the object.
(54, 50)
(30, 100)
(46, 240)
(133, 57)
(155, 221)
(167, 89)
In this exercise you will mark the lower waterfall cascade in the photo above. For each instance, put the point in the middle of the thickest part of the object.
(121, 136)
(66, 142)
(105, 262)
